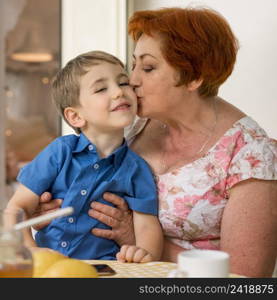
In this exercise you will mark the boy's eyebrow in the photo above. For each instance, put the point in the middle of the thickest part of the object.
(103, 79)
(122, 75)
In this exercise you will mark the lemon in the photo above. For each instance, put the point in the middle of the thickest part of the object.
(70, 267)
(43, 259)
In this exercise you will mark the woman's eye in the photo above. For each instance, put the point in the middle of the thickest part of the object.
(100, 90)
(133, 67)
(148, 69)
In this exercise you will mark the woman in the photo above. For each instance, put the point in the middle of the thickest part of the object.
(216, 169)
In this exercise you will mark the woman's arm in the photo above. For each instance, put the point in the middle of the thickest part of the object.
(170, 251)
(249, 228)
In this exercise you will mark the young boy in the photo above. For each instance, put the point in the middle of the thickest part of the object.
(93, 94)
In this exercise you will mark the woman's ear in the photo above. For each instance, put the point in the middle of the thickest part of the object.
(194, 85)
(73, 117)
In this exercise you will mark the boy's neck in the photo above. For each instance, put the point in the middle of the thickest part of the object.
(106, 143)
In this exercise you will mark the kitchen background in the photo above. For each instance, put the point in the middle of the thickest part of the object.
(57, 30)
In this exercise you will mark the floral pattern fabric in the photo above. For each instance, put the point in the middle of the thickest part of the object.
(192, 198)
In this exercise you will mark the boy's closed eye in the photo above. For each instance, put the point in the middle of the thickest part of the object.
(126, 83)
(99, 90)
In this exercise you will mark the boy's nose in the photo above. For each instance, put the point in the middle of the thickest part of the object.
(117, 93)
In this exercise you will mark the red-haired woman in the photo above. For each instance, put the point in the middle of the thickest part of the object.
(216, 168)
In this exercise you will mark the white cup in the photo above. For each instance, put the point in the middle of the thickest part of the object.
(203, 263)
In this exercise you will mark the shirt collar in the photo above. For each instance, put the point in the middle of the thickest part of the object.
(82, 144)
(116, 157)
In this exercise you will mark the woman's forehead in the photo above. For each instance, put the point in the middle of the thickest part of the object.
(148, 45)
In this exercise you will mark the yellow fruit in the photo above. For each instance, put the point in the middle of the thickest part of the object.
(70, 267)
(43, 259)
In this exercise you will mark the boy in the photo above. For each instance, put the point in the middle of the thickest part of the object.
(93, 94)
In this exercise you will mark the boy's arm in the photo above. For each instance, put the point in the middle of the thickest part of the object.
(149, 240)
(148, 233)
(25, 199)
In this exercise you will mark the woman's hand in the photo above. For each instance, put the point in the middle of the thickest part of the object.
(46, 205)
(120, 218)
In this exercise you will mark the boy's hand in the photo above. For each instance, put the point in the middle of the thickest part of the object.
(133, 253)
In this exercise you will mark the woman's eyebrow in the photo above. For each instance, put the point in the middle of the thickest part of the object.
(142, 56)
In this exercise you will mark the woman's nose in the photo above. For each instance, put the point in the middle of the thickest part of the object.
(134, 79)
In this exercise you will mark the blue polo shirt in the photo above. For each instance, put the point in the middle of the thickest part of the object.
(71, 169)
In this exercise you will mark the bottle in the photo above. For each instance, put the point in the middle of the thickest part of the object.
(15, 259)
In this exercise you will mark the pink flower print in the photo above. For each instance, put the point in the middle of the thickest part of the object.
(253, 161)
(211, 170)
(175, 190)
(161, 187)
(222, 153)
(240, 142)
(225, 149)
(214, 196)
(205, 244)
(232, 180)
(183, 205)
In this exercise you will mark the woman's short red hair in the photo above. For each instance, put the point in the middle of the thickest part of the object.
(198, 42)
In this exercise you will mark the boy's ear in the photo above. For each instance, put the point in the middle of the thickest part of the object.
(194, 85)
(73, 117)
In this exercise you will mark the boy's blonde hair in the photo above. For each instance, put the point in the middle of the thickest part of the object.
(66, 83)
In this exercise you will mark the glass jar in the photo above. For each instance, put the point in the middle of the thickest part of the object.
(15, 258)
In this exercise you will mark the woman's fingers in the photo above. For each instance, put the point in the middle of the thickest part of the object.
(107, 210)
(42, 224)
(105, 233)
(46, 205)
(45, 197)
(119, 218)
(116, 200)
(104, 217)
(49, 206)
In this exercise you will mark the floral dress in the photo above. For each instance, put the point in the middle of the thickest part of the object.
(192, 198)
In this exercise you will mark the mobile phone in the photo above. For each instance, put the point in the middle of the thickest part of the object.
(103, 269)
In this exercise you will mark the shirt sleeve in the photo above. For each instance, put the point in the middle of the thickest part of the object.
(257, 159)
(144, 195)
(40, 173)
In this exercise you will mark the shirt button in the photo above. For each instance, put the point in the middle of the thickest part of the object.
(83, 192)
(96, 166)
(90, 147)
(70, 220)
(63, 244)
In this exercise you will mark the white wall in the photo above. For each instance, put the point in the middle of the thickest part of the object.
(253, 85)
(92, 25)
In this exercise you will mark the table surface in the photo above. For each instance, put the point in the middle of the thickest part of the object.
(156, 269)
